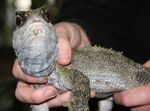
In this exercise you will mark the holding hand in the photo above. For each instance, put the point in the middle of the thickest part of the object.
(69, 36)
(72, 36)
(137, 98)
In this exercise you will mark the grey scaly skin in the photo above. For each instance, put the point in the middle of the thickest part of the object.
(103, 70)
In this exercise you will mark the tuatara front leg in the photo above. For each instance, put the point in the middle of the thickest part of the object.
(80, 87)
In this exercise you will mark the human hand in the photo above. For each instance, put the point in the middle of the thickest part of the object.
(137, 98)
(70, 36)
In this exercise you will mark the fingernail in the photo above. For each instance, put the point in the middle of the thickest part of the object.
(49, 93)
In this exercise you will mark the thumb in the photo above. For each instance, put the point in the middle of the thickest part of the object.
(147, 64)
(64, 48)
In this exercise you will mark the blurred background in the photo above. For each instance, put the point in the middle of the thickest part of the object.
(8, 101)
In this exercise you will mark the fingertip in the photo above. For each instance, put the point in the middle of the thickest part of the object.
(63, 59)
(93, 94)
(147, 64)
(34, 96)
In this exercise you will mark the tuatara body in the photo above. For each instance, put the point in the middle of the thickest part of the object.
(103, 70)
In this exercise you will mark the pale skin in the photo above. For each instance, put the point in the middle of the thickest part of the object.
(70, 36)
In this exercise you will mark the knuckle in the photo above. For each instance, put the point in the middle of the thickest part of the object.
(59, 27)
(25, 78)
(19, 95)
(36, 96)
(14, 71)
(34, 99)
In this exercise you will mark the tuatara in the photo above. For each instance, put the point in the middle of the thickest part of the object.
(104, 70)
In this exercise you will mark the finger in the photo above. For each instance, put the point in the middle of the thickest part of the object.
(64, 48)
(74, 33)
(19, 74)
(134, 97)
(34, 96)
(77, 36)
(60, 99)
(93, 94)
(141, 108)
(147, 64)
(82, 39)
(64, 53)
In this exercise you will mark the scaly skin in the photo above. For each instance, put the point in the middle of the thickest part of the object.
(78, 83)
(104, 70)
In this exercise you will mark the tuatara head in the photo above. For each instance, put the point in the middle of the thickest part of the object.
(37, 15)
(35, 42)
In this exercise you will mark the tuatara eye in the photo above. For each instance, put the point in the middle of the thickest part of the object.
(19, 20)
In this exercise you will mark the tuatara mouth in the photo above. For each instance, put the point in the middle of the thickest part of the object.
(36, 29)
(41, 73)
